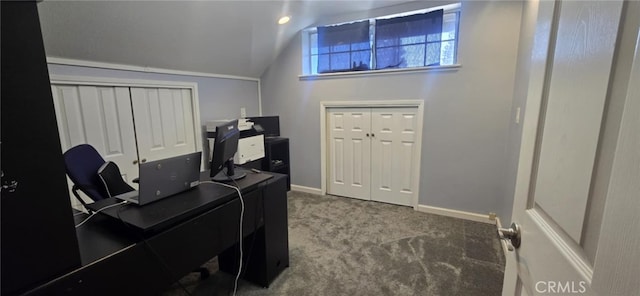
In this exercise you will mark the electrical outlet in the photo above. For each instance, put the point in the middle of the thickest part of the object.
(243, 112)
(492, 216)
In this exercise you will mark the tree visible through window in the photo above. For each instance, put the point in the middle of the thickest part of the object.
(414, 39)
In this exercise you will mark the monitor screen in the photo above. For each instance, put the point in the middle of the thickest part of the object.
(270, 125)
(225, 147)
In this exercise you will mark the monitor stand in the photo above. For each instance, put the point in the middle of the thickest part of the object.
(228, 173)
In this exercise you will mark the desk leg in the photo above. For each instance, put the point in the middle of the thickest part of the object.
(253, 260)
(267, 249)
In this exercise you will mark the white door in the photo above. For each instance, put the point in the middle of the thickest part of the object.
(372, 153)
(575, 162)
(393, 154)
(164, 122)
(349, 152)
(99, 116)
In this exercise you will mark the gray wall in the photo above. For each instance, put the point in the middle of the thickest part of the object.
(219, 98)
(527, 30)
(467, 110)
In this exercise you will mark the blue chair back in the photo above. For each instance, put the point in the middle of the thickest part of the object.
(82, 163)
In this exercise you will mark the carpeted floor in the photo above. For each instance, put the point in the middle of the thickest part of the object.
(343, 246)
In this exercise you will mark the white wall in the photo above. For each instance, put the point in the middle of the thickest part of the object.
(219, 98)
(467, 110)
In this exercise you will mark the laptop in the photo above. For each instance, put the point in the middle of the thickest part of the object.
(165, 177)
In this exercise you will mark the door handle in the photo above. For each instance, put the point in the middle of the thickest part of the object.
(511, 235)
(135, 161)
(367, 134)
(372, 135)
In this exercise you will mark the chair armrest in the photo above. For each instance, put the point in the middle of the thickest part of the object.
(74, 190)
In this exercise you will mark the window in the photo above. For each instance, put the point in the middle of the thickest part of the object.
(414, 39)
(343, 48)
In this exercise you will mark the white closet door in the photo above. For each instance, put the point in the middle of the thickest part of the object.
(99, 116)
(349, 152)
(163, 122)
(393, 154)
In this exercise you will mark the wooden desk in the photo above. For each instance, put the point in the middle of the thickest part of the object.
(120, 259)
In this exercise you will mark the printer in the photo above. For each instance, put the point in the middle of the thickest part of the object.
(250, 144)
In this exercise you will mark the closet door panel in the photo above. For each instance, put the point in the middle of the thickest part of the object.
(163, 122)
(349, 152)
(393, 153)
(99, 116)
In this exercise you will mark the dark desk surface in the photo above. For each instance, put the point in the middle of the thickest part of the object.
(161, 214)
(101, 236)
(116, 259)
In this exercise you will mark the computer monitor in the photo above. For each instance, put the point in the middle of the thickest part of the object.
(270, 124)
(225, 147)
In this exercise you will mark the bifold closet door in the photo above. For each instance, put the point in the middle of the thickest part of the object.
(349, 152)
(372, 153)
(393, 154)
(100, 116)
(163, 122)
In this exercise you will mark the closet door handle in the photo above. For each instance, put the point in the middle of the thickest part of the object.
(367, 135)
(372, 135)
(141, 161)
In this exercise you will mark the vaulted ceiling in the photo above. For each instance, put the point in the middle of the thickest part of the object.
(224, 37)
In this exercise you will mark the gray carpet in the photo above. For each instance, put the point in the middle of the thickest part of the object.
(343, 246)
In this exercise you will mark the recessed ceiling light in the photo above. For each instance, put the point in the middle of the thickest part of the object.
(283, 20)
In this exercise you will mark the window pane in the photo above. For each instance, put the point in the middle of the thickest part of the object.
(386, 42)
(413, 56)
(361, 46)
(412, 39)
(340, 42)
(323, 63)
(340, 48)
(340, 61)
(448, 35)
(433, 54)
(411, 31)
(434, 37)
(314, 43)
(447, 53)
(323, 49)
(387, 58)
(314, 64)
(360, 60)
(449, 26)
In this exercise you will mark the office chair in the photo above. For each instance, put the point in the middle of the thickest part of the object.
(82, 163)
(111, 177)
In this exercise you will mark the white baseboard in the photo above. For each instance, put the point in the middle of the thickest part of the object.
(456, 214)
(306, 189)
